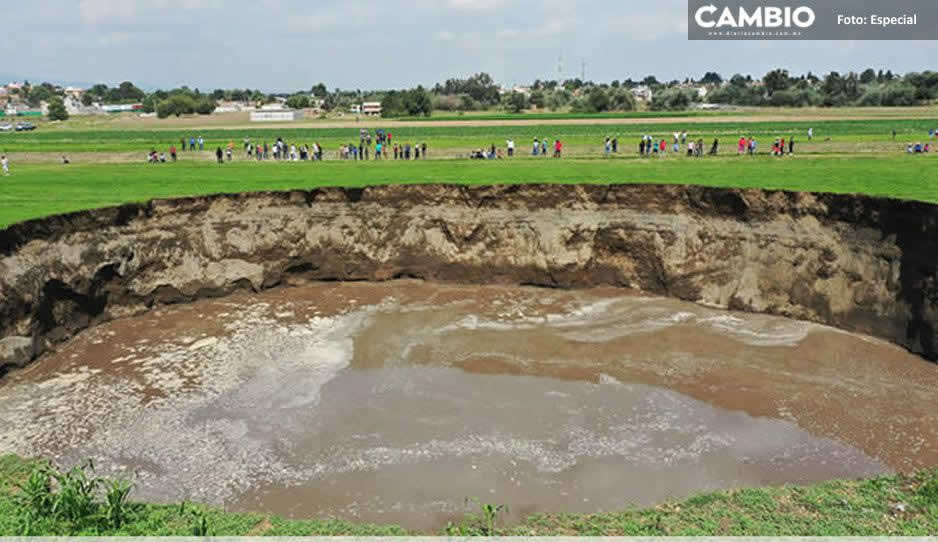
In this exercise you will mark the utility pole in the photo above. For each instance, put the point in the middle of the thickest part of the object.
(560, 69)
(583, 73)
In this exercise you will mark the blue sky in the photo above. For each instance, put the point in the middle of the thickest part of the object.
(284, 45)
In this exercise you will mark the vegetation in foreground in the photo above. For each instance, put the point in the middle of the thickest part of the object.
(34, 191)
(36, 499)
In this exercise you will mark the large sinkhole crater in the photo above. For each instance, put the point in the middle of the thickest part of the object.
(275, 351)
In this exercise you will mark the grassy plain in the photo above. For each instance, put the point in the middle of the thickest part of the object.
(36, 190)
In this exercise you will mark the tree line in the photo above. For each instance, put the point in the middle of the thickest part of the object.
(777, 88)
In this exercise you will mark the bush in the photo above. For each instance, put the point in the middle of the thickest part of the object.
(890, 95)
(205, 106)
(298, 101)
(674, 99)
(57, 110)
(177, 104)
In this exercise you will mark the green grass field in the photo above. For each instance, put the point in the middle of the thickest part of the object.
(899, 505)
(469, 137)
(34, 191)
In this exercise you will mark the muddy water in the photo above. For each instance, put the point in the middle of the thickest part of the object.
(394, 402)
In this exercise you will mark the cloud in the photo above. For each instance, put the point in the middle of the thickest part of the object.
(285, 45)
(475, 5)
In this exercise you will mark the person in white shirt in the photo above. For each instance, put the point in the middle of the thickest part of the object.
(511, 147)
(6, 165)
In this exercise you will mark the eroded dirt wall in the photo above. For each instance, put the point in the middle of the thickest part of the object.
(859, 263)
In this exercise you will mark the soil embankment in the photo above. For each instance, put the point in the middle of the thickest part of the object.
(859, 263)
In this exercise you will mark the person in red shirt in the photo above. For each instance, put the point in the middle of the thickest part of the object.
(172, 152)
(664, 147)
(558, 148)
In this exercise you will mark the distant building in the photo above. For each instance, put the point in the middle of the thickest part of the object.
(74, 92)
(371, 108)
(121, 108)
(642, 93)
(276, 115)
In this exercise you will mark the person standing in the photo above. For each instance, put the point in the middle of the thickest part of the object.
(810, 134)
(544, 147)
(378, 147)
(558, 149)
(416, 151)
(641, 147)
(172, 152)
(182, 144)
(615, 145)
(201, 143)
(791, 145)
(537, 147)
(218, 155)
(423, 149)
(511, 147)
(607, 147)
(684, 138)
(191, 143)
(5, 163)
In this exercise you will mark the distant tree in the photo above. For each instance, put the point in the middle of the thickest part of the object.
(515, 102)
(205, 106)
(418, 102)
(868, 76)
(218, 94)
(776, 80)
(622, 99)
(57, 109)
(177, 104)
(598, 100)
(712, 78)
(38, 95)
(319, 90)
(650, 81)
(87, 99)
(538, 99)
(298, 101)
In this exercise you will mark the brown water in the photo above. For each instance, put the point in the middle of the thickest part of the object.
(394, 402)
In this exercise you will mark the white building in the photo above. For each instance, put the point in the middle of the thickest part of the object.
(642, 93)
(276, 115)
(371, 108)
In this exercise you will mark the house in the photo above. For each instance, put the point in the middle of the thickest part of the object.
(642, 93)
(371, 108)
(276, 115)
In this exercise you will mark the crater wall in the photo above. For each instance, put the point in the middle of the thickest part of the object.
(859, 263)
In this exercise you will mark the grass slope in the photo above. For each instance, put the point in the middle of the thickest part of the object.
(898, 505)
(34, 191)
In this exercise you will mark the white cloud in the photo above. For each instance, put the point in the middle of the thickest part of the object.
(475, 4)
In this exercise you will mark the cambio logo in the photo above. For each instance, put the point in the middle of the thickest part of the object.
(760, 17)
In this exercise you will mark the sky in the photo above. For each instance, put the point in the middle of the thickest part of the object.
(288, 45)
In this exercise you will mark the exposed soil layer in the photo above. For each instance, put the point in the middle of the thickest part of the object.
(858, 263)
(392, 402)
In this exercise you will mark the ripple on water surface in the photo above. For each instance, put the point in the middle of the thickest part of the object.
(394, 402)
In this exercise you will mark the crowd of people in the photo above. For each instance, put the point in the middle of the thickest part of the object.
(650, 145)
(539, 148)
(382, 146)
